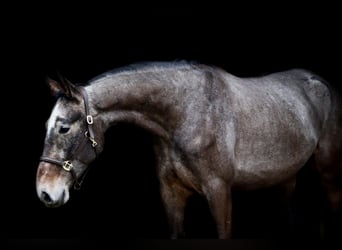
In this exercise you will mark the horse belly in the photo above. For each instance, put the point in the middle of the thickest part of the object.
(263, 175)
(273, 152)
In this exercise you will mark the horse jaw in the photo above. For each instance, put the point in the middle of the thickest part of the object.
(52, 186)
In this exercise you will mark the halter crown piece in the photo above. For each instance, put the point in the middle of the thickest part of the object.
(89, 134)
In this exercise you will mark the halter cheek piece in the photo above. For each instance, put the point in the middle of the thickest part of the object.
(89, 135)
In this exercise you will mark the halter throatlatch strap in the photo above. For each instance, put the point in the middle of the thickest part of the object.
(89, 134)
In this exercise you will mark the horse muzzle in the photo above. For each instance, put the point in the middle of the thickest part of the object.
(52, 185)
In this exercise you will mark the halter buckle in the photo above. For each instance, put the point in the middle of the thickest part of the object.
(67, 165)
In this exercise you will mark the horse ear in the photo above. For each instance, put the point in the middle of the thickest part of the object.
(63, 87)
(55, 87)
(69, 89)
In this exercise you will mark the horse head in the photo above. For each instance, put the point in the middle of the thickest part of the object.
(73, 140)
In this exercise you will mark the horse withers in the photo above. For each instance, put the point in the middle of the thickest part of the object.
(213, 132)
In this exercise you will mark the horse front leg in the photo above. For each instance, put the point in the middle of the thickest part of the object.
(174, 197)
(219, 197)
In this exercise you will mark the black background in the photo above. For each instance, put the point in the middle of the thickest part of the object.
(120, 197)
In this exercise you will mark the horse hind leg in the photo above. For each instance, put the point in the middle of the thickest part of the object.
(287, 192)
(328, 161)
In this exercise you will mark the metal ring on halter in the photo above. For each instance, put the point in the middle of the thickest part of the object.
(77, 185)
(90, 119)
(93, 142)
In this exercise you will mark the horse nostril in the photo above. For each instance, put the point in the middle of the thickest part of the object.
(46, 197)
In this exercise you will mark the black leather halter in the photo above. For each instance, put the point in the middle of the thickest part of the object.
(89, 135)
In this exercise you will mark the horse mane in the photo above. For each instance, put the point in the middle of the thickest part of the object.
(145, 66)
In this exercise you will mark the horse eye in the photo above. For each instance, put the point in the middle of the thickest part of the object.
(63, 129)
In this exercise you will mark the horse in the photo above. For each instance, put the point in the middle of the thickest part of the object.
(213, 132)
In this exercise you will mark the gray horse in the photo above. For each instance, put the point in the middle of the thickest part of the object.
(213, 132)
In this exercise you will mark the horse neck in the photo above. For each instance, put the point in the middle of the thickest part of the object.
(149, 104)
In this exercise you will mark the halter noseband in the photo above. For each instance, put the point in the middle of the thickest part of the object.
(89, 134)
